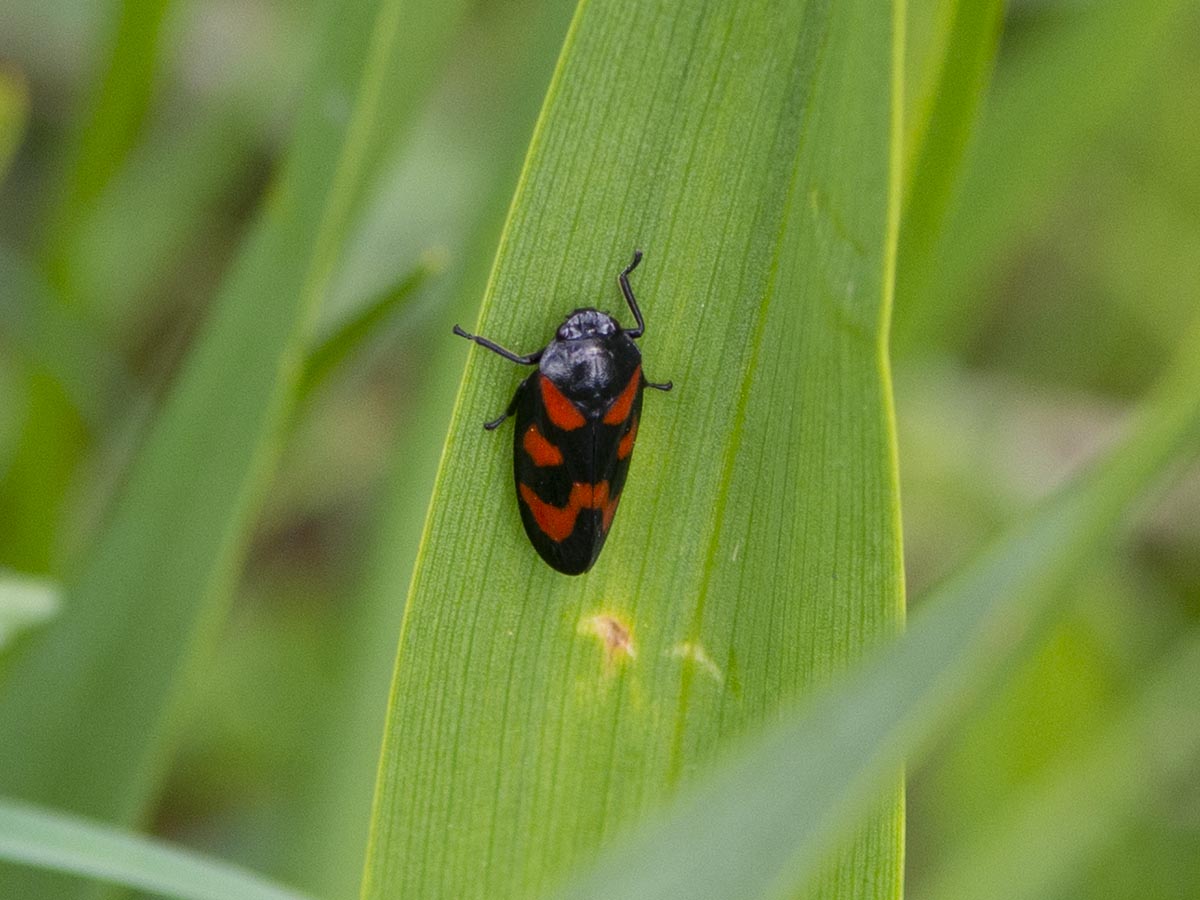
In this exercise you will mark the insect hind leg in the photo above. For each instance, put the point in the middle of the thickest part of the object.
(512, 408)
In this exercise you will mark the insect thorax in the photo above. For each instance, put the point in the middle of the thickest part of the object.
(591, 370)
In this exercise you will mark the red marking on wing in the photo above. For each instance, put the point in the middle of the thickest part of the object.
(619, 411)
(557, 522)
(562, 412)
(610, 510)
(626, 446)
(541, 451)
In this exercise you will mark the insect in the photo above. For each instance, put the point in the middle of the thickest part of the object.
(576, 423)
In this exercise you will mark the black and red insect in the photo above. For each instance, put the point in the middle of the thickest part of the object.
(577, 420)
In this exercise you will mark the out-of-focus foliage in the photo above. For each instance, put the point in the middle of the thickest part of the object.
(69, 844)
(24, 603)
(1047, 276)
(1074, 308)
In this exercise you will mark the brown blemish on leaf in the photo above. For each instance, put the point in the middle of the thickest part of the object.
(614, 635)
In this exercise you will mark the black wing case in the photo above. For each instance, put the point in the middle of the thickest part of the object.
(570, 471)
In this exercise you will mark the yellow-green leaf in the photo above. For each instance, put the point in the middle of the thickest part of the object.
(751, 152)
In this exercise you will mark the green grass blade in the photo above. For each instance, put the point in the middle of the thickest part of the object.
(928, 28)
(1071, 816)
(950, 47)
(124, 94)
(750, 152)
(30, 836)
(24, 603)
(112, 121)
(345, 338)
(937, 144)
(87, 709)
(767, 817)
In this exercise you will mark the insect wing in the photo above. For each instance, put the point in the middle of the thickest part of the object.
(614, 438)
(569, 472)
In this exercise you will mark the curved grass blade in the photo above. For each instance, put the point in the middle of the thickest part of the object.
(750, 153)
(87, 710)
(30, 836)
(1073, 815)
(763, 821)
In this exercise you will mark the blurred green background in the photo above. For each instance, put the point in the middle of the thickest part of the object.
(1065, 274)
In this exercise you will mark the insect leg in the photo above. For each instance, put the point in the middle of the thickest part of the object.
(529, 360)
(512, 408)
(665, 386)
(623, 280)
